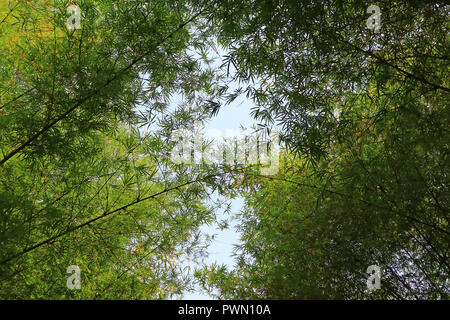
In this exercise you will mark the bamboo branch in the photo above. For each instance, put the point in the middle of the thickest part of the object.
(105, 214)
(92, 94)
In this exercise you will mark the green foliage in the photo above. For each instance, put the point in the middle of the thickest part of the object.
(79, 183)
(364, 116)
(363, 178)
(311, 233)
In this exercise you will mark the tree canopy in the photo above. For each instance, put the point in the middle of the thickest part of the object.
(87, 115)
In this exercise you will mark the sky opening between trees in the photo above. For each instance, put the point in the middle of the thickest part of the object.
(347, 166)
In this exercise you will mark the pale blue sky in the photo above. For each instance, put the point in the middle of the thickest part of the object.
(230, 117)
